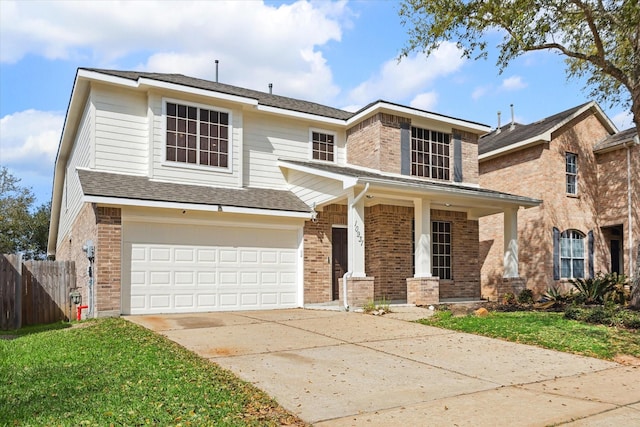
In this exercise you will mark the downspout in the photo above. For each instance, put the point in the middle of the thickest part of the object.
(349, 273)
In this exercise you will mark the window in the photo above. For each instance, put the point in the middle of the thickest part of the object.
(571, 254)
(441, 252)
(429, 153)
(571, 161)
(322, 144)
(197, 135)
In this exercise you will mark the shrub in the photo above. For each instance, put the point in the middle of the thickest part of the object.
(508, 298)
(608, 315)
(525, 297)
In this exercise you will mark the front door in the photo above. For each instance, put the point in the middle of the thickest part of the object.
(615, 256)
(339, 256)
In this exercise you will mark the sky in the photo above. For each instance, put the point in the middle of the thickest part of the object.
(339, 53)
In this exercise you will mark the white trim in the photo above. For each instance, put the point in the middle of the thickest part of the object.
(300, 115)
(116, 201)
(197, 166)
(339, 226)
(347, 181)
(213, 222)
(335, 144)
(458, 123)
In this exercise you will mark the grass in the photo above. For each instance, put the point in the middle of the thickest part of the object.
(112, 372)
(544, 329)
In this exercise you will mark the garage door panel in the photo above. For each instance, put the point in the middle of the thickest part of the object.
(209, 268)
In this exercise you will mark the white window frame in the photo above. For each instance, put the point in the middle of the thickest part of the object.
(430, 155)
(335, 144)
(185, 165)
(569, 254)
(573, 174)
(436, 266)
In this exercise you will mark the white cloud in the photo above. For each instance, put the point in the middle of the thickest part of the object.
(623, 120)
(479, 92)
(397, 80)
(513, 83)
(29, 140)
(256, 43)
(425, 101)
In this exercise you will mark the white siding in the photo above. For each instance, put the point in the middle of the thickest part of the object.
(80, 157)
(121, 131)
(312, 189)
(269, 138)
(176, 172)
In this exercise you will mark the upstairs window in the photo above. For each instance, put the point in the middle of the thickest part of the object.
(572, 254)
(441, 249)
(430, 153)
(323, 145)
(197, 136)
(571, 162)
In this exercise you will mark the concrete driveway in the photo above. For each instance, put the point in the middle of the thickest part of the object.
(349, 369)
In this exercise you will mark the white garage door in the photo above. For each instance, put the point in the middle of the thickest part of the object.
(177, 269)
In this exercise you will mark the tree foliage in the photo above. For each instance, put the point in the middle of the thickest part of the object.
(21, 228)
(600, 39)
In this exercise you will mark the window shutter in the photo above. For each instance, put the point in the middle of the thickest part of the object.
(405, 148)
(590, 237)
(457, 157)
(556, 254)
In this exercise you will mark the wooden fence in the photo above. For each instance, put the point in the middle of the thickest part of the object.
(34, 292)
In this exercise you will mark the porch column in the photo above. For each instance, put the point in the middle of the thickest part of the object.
(355, 236)
(511, 243)
(422, 250)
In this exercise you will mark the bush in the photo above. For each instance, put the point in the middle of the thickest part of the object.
(525, 297)
(602, 288)
(608, 315)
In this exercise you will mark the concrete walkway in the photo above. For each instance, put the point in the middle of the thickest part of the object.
(348, 369)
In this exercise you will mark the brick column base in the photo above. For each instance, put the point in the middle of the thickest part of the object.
(423, 290)
(513, 285)
(359, 291)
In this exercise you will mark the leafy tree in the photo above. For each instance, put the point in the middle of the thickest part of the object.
(21, 230)
(600, 39)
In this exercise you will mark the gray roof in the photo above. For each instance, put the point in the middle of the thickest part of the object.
(617, 139)
(494, 141)
(366, 175)
(131, 187)
(262, 97)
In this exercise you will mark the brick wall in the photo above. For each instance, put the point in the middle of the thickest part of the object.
(70, 248)
(375, 143)
(389, 255)
(539, 172)
(318, 251)
(465, 266)
(108, 261)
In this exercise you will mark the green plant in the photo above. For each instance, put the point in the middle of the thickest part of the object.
(620, 292)
(525, 297)
(609, 315)
(508, 298)
(592, 290)
(379, 307)
(555, 298)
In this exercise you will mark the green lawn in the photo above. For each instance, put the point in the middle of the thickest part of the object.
(548, 330)
(112, 372)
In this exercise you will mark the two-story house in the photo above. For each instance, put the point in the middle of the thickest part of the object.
(586, 174)
(176, 194)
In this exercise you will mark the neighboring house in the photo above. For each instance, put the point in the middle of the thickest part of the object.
(191, 195)
(586, 174)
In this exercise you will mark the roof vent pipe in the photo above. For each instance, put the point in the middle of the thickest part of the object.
(270, 88)
(217, 70)
(498, 130)
(513, 119)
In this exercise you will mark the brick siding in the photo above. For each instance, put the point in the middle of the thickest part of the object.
(108, 261)
(539, 172)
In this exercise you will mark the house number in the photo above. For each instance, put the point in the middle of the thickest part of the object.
(359, 235)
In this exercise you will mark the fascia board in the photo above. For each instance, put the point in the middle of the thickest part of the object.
(116, 201)
(145, 82)
(299, 115)
(538, 139)
(458, 123)
(347, 181)
(459, 192)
